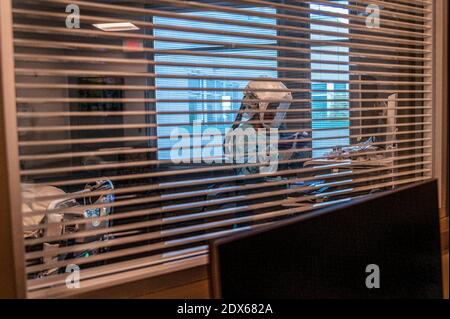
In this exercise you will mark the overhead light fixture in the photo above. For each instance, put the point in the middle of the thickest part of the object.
(117, 26)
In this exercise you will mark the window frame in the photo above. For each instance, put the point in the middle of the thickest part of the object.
(152, 69)
(12, 187)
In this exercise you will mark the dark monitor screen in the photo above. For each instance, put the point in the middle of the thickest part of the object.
(331, 252)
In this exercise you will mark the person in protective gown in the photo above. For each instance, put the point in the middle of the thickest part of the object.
(262, 112)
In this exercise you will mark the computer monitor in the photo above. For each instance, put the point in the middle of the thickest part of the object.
(386, 245)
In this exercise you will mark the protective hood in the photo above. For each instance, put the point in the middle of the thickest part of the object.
(259, 96)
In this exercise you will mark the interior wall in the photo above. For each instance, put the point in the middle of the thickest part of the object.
(12, 279)
(441, 100)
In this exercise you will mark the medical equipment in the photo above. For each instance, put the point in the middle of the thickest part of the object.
(61, 213)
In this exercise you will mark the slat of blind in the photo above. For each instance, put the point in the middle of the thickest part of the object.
(96, 19)
(284, 152)
(125, 126)
(55, 86)
(140, 138)
(408, 5)
(386, 6)
(36, 100)
(140, 11)
(384, 19)
(125, 151)
(93, 33)
(252, 57)
(138, 113)
(37, 157)
(79, 46)
(57, 59)
(146, 138)
(86, 73)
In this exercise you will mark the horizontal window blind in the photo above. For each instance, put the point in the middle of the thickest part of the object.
(124, 134)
